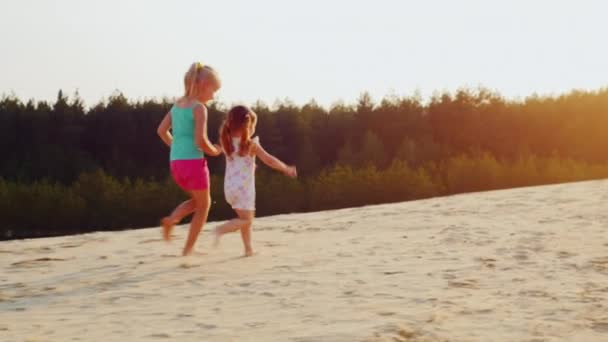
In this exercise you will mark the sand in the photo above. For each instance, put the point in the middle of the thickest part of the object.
(527, 264)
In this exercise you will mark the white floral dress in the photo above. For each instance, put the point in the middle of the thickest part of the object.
(239, 181)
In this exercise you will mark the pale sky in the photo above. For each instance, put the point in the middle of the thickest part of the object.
(321, 49)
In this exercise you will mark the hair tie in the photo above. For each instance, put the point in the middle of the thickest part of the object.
(199, 66)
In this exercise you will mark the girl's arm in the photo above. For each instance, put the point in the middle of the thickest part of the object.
(274, 162)
(200, 132)
(254, 123)
(163, 130)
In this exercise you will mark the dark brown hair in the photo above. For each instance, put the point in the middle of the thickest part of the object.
(239, 123)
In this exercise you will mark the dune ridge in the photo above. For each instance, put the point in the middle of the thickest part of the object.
(528, 264)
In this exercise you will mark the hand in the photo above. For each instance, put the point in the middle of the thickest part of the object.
(290, 171)
(219, 149)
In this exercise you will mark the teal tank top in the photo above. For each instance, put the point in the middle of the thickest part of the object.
(183, 146)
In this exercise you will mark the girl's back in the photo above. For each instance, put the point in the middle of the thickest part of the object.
(240, 170)
(182, 122)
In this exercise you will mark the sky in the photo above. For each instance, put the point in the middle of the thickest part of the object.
(325, 50)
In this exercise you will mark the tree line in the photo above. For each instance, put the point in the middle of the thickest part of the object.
(70, 169)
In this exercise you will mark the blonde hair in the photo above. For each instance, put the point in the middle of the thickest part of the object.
(197, 73)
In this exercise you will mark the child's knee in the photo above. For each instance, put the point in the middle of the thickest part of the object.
(203, 206)
(202, 203)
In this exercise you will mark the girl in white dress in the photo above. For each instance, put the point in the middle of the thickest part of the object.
(241, 151)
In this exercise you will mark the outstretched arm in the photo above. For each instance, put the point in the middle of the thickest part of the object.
(200, 132)
(274, 162)
(163, 130)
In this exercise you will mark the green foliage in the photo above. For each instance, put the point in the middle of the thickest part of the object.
(41, 208)
(372, 151)
(343, 186)
(468, 173)
(276, 193)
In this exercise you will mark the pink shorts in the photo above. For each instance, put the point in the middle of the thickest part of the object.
(191, 174)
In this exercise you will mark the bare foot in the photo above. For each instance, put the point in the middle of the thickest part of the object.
(192, 252)
(167, 227)
(249, 253)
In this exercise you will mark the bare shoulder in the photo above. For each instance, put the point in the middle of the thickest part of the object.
(179, 102)
(200, 110)
(255, 145)
(183, 102)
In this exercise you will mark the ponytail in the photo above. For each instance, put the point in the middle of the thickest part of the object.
(226, 139)
(190, 80)
(195, 73)
(245, 146)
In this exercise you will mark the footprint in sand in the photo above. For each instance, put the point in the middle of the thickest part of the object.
(565, 255)
(464, 284)
(149, 241)
(207, 326)
(273, 244)
(601, 327)
(255, 324)
(163, 335)
(349, 293)
(4, 298)
(44, 249)
(188, 265)
(397, 333)
(520, 256)
(487, 262)
(70, 244)
(534, 293)
(35, 262)
(600, 264)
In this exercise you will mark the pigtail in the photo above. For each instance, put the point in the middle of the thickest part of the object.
(190, 80)
(244, 148)
(226, 138)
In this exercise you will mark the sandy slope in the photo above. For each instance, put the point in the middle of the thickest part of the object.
(527, 264)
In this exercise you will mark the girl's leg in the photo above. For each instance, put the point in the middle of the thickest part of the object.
(247, 217)
(178, 214)
(228, 227)
(202, 203)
